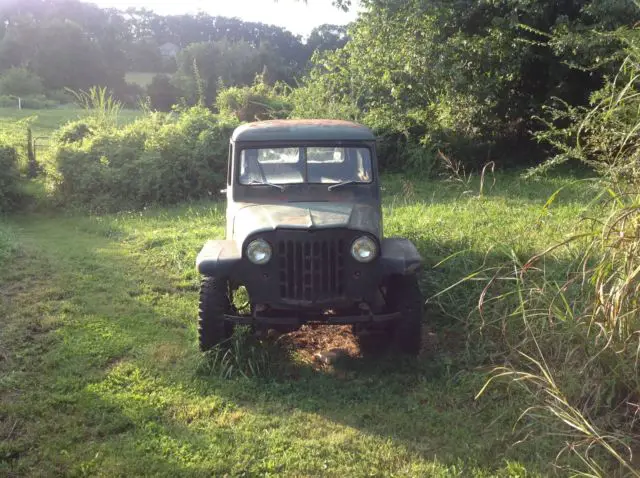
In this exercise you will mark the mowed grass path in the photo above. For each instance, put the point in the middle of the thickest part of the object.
(100, 373)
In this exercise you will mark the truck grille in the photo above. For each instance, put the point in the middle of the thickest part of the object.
(311, 270)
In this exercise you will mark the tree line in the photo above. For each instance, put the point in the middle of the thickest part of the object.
(469, 79)
(47, 46)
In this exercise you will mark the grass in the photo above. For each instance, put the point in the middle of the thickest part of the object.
(45, 122)
(8, 243)
(100, 374)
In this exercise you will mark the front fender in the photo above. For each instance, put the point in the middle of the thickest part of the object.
(399, 257)
(217, 258)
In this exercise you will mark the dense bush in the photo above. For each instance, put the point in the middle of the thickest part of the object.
(254, 103)
(10, 190)
(605, 135)
(467, 77)
(161, 158)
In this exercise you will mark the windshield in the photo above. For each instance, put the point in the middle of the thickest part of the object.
(314, 165)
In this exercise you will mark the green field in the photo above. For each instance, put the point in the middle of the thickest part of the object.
(45, 122)
(140, 78)
(101, 375)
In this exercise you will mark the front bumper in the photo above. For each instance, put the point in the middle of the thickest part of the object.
(303, 318)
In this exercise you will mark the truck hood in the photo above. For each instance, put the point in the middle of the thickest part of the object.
(317, 215)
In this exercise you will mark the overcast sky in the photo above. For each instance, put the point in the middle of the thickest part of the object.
(293, 15)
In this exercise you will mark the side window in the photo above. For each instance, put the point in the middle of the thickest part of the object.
(363, 165)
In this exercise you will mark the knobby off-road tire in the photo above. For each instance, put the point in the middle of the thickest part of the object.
(403, 336)
(214, 304)
(403, 295)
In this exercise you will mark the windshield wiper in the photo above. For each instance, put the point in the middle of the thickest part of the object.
(345, 183)
(260, 183)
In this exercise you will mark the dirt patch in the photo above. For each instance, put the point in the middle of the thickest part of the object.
(313, 339)
(313, 342)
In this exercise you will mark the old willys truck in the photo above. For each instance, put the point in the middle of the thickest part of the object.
(304, 239)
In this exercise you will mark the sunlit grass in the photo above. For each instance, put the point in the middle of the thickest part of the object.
(102, 375)
(45, 122)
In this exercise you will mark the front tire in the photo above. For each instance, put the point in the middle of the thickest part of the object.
(214, 304)
(403, 295)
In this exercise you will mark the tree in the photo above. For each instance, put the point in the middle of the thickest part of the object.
(67, 58)
(187, 30)
(68, 43)
(223, 63)
(74, 44)
(20, 82)
(162, 93)
(467, 76)
(327, 37)
(144, 55)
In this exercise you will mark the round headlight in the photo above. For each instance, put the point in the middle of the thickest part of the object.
(364, 249)
(259, 251)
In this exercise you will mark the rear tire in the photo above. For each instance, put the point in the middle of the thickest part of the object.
(214, 304)
(403, 295)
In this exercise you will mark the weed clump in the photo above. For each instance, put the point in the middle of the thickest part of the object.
(242, 355)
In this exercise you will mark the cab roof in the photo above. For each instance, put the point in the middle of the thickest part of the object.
(303, 130)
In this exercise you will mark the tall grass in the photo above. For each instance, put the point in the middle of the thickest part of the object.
(100, 104)
(573, 343)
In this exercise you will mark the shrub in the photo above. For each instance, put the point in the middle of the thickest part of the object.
(317, 98)
(75, 131)
(604, 135)
(10, 192)
(160, 158)
(254, 103)
(100, 103)
(16, 136)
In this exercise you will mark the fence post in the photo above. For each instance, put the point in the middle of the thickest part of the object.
(31, 155)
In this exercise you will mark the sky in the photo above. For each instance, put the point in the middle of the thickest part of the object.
(295, 16)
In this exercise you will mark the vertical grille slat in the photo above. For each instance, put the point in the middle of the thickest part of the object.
(324, 260)
(339, 267)
(311, 268)
(297, 268)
